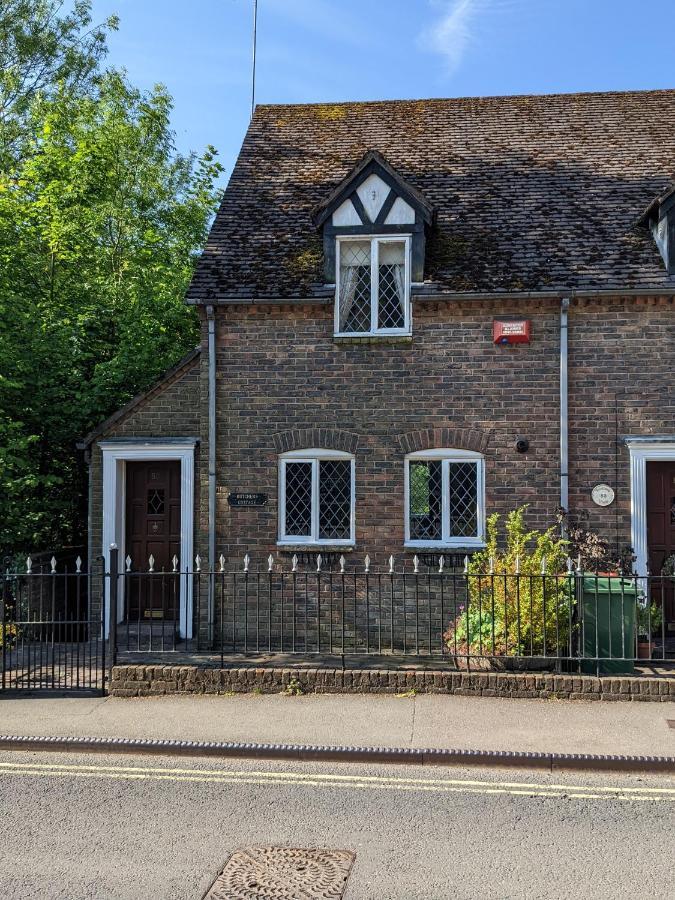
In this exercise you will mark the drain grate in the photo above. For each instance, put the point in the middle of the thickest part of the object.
(283, 873)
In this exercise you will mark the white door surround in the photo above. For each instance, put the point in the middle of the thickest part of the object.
(643, 450)
(115, 455)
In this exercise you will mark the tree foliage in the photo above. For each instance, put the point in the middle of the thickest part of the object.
(100, 223)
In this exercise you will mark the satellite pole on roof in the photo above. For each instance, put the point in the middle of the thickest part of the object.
(255, 34)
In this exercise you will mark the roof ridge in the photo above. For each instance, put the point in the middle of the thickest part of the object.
(467, 98)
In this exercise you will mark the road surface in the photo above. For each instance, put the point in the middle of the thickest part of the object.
(158, 828)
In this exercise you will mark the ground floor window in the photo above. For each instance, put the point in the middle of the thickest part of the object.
(316, 497)
(444, 498)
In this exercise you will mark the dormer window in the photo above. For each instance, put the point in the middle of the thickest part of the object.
(373, 288)
(374, 227)
(659, 217)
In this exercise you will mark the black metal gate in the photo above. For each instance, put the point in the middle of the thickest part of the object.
(51, 634)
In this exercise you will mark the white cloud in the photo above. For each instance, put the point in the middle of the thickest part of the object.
(452, 32)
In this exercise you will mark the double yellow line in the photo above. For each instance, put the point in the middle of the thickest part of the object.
(335, 780)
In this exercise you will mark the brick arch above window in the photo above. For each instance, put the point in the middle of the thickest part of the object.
(324, 438)
(439, 438)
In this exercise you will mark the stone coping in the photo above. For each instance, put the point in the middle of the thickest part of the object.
(158, 680)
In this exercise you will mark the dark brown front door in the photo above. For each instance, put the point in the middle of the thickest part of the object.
(152, 529)
(661, 531)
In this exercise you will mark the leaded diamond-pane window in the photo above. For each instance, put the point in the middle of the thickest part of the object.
(355, 286)
(426, 501)
(298, 499)
(445, 504)
(391, 293)
(373, 286)
(335, 499)
(317, 498)
(463, 495)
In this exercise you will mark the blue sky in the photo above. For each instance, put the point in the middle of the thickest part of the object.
(332, 50)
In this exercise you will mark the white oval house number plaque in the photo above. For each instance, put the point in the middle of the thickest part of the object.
(603, 495)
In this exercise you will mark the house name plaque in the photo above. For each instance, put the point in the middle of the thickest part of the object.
(247, 499)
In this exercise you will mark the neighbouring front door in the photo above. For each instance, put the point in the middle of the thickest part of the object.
(152, 529)
(661, 533)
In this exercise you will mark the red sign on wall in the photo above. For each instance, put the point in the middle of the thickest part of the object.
(511, 331)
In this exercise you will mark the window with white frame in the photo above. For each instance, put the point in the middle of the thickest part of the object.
(316, 497)
(444, 499)
(373, 290)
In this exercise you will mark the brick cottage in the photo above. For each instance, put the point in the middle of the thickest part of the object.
(415, 314)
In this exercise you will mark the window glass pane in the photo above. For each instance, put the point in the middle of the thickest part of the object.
(298, 499)
(156, 502)
(354, 286)
(426, 501)
(463, 485)
(391, 299)
(335, 499)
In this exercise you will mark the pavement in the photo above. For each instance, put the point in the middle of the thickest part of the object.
(421, 721)
(77, 827)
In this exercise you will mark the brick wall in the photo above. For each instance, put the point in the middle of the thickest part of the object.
(281, 374)
(621, 364)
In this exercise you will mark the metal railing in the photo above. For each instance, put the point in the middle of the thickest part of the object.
(571, 620)
(49, 639)
(52, 625)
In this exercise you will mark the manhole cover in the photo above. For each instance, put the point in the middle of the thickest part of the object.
(671, 723)
(283, 873)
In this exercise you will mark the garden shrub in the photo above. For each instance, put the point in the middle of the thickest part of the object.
(506, 614)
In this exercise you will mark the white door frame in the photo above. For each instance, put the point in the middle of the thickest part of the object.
(115, 455)
(643, 450)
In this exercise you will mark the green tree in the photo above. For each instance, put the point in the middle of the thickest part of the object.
(43, 46)
(100, 224)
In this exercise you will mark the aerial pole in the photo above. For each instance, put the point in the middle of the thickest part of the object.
(255, 35)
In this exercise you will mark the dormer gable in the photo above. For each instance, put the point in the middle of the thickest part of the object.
(659, 217)
(374, 199)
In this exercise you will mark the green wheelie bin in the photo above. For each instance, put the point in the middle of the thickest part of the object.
(607, 624)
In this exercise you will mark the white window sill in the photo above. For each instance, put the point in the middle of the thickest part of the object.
(455, 548)
(316, 547)
(374, 338)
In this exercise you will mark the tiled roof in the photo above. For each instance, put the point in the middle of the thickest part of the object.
(531, 193)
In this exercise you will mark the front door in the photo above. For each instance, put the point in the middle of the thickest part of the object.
(661, 534)
(152, 529)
